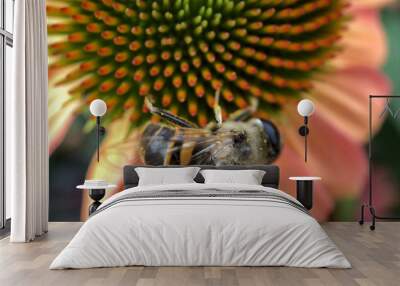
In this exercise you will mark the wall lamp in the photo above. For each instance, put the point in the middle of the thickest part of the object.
(98, 108)
(305, 108)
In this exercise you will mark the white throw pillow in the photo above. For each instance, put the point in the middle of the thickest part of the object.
(247, 177)
(164, 176)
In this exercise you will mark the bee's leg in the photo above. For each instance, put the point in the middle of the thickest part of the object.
(187, 152)
(245, 113)
(168, 154)
(217, 109)
(176, 120)
(212, 126)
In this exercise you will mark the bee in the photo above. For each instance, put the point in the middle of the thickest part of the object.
(240, 140)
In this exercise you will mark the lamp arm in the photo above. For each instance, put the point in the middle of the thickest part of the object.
(98, 137)
(303, 131)
(305, 147)
(305, 137)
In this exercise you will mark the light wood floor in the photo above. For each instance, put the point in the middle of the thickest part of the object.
(375, 257)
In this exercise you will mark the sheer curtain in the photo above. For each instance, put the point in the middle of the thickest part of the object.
(26, 124)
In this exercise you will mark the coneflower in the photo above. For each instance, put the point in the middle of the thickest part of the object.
(182, 51)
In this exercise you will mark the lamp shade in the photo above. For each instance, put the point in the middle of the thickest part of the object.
(305, 107)
(98, 107)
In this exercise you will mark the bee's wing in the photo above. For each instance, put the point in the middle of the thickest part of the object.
(196, 134)
(203, 146)
(192, 144)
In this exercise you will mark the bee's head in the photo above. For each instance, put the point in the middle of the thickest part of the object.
(273, 138)
(250, 142)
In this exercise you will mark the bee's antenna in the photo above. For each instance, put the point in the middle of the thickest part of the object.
(176, 120)
(253, 104)
(149, 105)
(217, 108)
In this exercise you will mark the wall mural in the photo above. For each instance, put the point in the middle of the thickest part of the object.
(214, 82)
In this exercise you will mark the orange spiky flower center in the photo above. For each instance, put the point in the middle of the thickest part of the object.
(182, 51)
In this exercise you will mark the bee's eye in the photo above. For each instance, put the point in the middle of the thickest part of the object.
(273, 135)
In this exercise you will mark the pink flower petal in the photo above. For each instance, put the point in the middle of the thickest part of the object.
(342, 99)
(364, 42)
(368, 4)
(59, 124)
(61, 113)
(335, 157)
